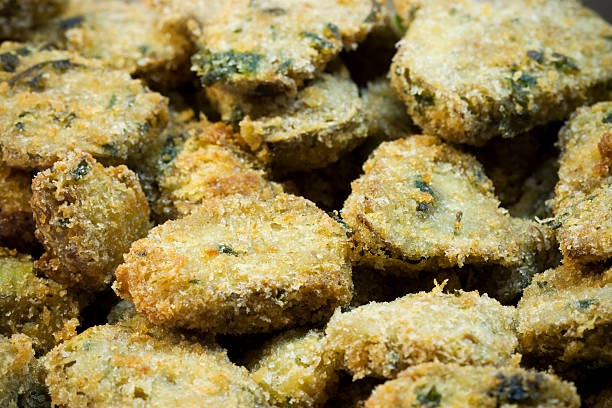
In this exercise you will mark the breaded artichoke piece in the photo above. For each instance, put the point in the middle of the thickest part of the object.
(565, 316)
(130, 36)
(207, 165)
(476, 69)
(131, 364)
(423, 205)
(18, 17)
(451, 385)
(240, 264)
(52, 102)
(16, 222)
(87, 216)
(40, 308)
(583, 194)
(273, 46)
(21, 375)
(295, 368)
(325, 120)
(381, 339)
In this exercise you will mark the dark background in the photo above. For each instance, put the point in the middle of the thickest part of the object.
(603, 7)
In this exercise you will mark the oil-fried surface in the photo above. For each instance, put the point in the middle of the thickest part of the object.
(208, 165)
(584, 194)
(130, 36)
(422, 204)
(21, 375)
(381, 339)
(565, 316)
(473, 70)
(295, 368)
(86, 217)
(18, 17)
(40, 308)
(272, 46)
(52, 102)
(450, 385)
(238, 265)
(16, 222)
(131, 364)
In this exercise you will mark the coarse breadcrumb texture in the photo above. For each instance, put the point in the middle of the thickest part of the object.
(210, 165)
(451, 385)
(583, 194)
(18, 17)
(381, 339)
(16, 222)
(86, 217)
(52, 102)
(273, 46)
(325, 120)
(422, 204)
(240, 264)
(131, 36)
(21, 375)
(475, 69)
(295, 368)
(131, 364)
(566, 315)
(39, 308)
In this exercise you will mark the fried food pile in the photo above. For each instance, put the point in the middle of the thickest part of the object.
(305, 204)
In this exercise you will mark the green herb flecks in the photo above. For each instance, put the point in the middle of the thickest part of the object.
(537, 56)
(527, 81)
(333, 29)
(20, 126)
(585, 303)
(430, 398)
(111, 149)
(423, 186)
(9, 61)
(274, 11)
(60, 65)
(81, 169)
(608, 118)
(218, 66)
(510, 390)
(318, 43)
(564, 63)
(424, 98)
(63, 222)
(226, 249)
(144, 49)
(195, 281)
(112, 102)
(71, 22)
(542, 284)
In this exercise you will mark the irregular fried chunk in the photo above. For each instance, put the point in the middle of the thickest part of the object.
(131, 364)
(52, 102)
(473, 70)
(209, 165)
(18, 17)
(325, 120)
(583, 195)
(272, 46)
(16, 222)
(463, 327)
(37, 307)
(295, 369)
(422, 204)
(21, 375)
(125, 35)
(451, 385)
(239, 265)
(565, 316)
(86, 216)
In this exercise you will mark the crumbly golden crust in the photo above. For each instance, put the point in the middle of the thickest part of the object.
(450, 385)
(565, 315)
(18, 17)
(238, 265)
(16, 222)
(52, 102)
(472, 70)
(87, 216)
(131, 364)
(381, 339)
(40, 308)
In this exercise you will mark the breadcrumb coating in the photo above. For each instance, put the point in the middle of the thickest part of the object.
(18, 17)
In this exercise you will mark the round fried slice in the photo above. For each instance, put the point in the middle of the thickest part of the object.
(130, 364)
(240, 265)
(422, 204)
(40, 308)
(450, 385)
(273, 46)
(473, 70)
(565, 316)
(381, 339)
(18, 17)
(86, 217)
(295, 368)
(16, 222)
(52, 102)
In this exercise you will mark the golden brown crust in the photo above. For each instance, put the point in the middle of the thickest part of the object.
(16, 222)
(240, 264)
(86, 216)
